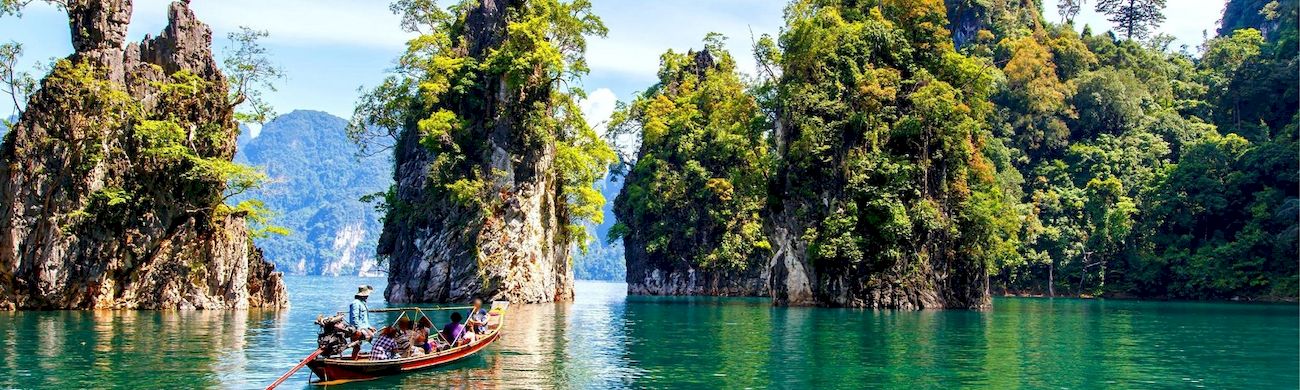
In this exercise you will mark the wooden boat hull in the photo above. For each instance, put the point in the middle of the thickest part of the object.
(342, 370)
(347, 370)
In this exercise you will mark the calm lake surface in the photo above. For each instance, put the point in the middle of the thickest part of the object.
(606, 339)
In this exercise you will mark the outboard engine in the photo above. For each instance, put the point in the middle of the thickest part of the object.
(334, 336)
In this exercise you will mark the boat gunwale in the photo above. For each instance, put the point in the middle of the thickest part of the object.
(472, 348)
(481, 343)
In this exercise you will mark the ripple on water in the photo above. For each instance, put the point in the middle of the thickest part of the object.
(608, 340)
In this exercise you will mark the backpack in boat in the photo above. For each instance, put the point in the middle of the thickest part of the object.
(334, 334)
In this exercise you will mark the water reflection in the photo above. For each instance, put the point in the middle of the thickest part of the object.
(574, 344)
(123, 348)
(607, 340)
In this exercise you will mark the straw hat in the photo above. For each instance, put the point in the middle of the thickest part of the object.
(364, 290)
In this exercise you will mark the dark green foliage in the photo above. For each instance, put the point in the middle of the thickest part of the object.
(1176, 176)
(1108, 101)
(885, 143)
(1252, 84)
(1225, 221)
(694, 194)
(1271, 16)
(977, 21)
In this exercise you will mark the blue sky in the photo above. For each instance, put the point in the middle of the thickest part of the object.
(329, 48)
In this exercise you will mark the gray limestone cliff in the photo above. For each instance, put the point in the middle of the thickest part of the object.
(678, 263)
(844, 197)
(512, 245)
(97, 210)
(966, 18)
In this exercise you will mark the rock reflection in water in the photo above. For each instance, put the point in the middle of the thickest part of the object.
(605, 339)
(77, 349)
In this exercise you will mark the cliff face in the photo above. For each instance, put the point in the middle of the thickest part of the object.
(966, 18)
(689, 209)
(880, 193)
(1267, 16)
(97, 210)
(511, 245)
(644, 277)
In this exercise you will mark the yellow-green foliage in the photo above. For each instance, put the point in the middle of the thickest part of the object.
(99, 108)
(888, 139)
(260, 217)
(697, 189)
(1148, 171)
(451, 96)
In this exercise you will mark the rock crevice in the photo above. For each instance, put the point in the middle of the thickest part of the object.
(89, 219)
(511, 246)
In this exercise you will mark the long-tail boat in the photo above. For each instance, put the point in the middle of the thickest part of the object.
(331, 370)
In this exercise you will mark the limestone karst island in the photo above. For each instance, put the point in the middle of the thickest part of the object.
(668, 194)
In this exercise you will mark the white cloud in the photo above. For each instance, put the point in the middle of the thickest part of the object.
(1184, 19)
(640, 34)
(623, 57)
(254, 129)
(290, 22)
(597, 108)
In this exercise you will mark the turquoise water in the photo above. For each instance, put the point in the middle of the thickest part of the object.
(608, 340)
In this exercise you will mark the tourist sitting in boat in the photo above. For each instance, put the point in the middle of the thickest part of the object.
(478, 319)
(420, 337)
(359, 318)
(454, 332)
(384, 344)
(402, 340)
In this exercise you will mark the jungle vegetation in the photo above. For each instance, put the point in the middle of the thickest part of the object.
(1063, 162)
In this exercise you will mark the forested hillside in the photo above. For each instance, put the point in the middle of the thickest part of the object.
(317, 182)
(1029, 158)
(1147, 171)
(689, 211)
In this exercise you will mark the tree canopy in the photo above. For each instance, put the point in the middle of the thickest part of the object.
(695, 192)
(456, 85)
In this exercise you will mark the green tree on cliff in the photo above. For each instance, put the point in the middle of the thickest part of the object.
(14, 82)
(1164, 174)
(1069, 9)
(885, 147)
(1134, 18)
(440, 91)
(250, 73)
(696, 191)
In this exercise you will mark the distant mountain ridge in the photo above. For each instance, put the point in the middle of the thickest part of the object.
(317, 180)
(603, 261)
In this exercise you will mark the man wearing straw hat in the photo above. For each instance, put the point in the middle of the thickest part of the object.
(359, 318)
